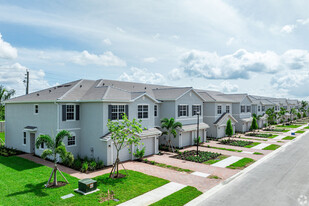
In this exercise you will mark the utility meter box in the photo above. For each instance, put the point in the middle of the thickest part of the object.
(87, 185)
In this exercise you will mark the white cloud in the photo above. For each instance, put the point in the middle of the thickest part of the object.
(105, 59)
(6, 50)
(293, 84)
(288, 28)
(143, 75)
(176, 74)
(12, 77)
(303, 21)
(107, 41)
(150, 59)
(224, 86)
(175, 37)
(230, 41)
(239, 64)
(120, 29)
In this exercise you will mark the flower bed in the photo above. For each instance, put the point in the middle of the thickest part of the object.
(261, 135)
(232, 142)
(275, 130)
(7, 152)
(191, 156)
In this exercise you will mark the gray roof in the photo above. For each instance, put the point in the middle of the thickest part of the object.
(214, 96)
(235, 97)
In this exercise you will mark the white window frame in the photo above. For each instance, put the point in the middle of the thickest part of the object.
(73, 135)
(229, 106)
(24, 138)
(155, 110)
(186, 110)
(248, 106)
(118, 113)
(244, 109)
(148, 110)
(34, 109)
(199, 108)
(220, 109)
(74, 112)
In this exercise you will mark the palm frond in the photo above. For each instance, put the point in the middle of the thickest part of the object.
(60, 136)
(174, 133)
(177, 125)
(46, 153)
(45, 139)
(61, 150)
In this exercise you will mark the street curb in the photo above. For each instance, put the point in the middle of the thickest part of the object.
(218, 187)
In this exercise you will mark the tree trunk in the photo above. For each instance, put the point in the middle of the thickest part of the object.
(55, 175)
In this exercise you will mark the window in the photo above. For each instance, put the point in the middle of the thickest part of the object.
(71, 141)
(263, 108)
(155, 110)
(142, 111)
(219, 109)
(42, 145)
(183, 110)
(259, 108)
(70, 112)
(36, 109)
(285, 107)
(195, 109)
(242, 109)
(117, 111)
(227, 109)
(25, 138)
(248, 108)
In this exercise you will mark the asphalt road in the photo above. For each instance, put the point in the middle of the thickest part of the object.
(281, 180)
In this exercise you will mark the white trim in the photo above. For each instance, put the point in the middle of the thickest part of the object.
(191, 89)
(74, 112)
(70, 89)
(186, 107)
(143, 111)
(106, 92)
(73, 134)
(69, 129)
(145, 94)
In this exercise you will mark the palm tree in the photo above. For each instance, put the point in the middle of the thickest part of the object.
(282, 112)
(304, 105)
(5, 94)
(55, 147)
(271, 115)
(293, 112)
(170, 125)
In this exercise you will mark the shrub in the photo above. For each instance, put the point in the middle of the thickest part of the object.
(92, 165)
(85, 167)
(229, 128)
(304, 115)
(199, 140)
(239, 143)
(100, 164)
(139, 154)
(6, 152)
(77, 164)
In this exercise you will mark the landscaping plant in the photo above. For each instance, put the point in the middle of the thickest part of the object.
(5, 94)
(254, 125)
(139, 154)
(123, 133)
(229, 129)
(55, 147)
(170, 126)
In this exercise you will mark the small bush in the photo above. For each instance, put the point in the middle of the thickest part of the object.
(85, 167)
(77, 164)
(100, 164)
(139, 154)
(92, 165)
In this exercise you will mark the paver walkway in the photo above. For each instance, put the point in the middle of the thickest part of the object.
(260, 146)
(226, 162)
(154, 195)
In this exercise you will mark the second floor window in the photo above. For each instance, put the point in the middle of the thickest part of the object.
(183, 110)
(142, 111)
(263, 108)
(242, 109)
(219, 109)
(36, 109)
(195, 109)
(70, 112)
(117, 112)
(227, 109)
(259, 108)
(248, 108)
(155, 110)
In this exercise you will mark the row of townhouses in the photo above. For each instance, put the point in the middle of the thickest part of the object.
(83, 107)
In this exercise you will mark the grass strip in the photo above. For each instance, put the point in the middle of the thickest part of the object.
(167, 166)
(222, 148)
(214, 177)
(254, 139)
(288, 138)
(289, 126)
(306, 127)
(300, 131)
(257, 153)
(2, 138)
(272, 147)
(213, 161)
(180, 197)
(252, 144)
(273, 136)
(240, 164)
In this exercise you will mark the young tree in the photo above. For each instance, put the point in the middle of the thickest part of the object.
(229, 129)
(282, 112)
(254, 124)
(123, 133)
(170, 126)
(298, 115)
(304, 105)
(293, 112)
(55, 147)
(271, 115)
(4, 95)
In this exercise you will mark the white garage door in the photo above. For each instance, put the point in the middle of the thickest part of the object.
(221, 131)
(123, 154)
(149, 144)
(186, 139)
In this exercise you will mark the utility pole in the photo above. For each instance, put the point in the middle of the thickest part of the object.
(27, 81)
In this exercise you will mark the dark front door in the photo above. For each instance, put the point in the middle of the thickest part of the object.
(32, 142)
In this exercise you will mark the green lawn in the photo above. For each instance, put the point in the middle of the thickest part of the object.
(289, 126)
(240, 164)
(22, 183)
(213, 161)
(300, 131)
(258, 153)
(288, 138)
(222, 148)
(252, 145)
(273, 136)
(2, 137)
(271, 147)
(306, 127)
(254, 139)
(180, 197)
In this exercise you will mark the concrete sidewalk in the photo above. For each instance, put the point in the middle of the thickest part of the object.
(154, 195)
(226, 162)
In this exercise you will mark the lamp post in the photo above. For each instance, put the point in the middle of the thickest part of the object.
(197, 132)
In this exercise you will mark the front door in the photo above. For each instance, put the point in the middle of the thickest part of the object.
(32, 143)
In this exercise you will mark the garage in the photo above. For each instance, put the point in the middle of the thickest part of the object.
(186, 138)
(220, 124)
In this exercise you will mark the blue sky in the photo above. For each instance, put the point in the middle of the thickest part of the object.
(232, 46)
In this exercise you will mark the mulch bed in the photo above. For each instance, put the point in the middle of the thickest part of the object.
(59, 184)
